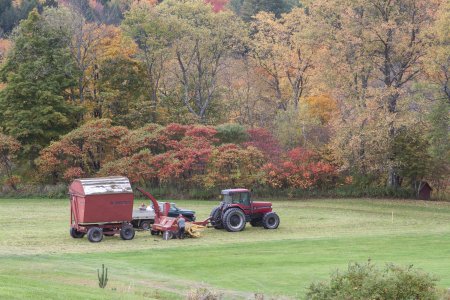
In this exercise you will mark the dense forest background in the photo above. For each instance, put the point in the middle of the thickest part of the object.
(318, 97)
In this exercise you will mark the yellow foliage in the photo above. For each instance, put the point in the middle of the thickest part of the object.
(321, 107)
(5, 45)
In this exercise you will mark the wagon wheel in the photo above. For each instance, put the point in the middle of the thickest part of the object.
(127, 232)
(167, 235)
(145, 225)
(76, 234)
(95, 234)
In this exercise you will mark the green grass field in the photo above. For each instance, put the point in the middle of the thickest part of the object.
(39, 260)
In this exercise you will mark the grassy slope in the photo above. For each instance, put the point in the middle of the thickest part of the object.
(38, 258)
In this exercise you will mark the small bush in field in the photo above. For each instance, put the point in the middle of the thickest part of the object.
(203, 294)
(366, 281)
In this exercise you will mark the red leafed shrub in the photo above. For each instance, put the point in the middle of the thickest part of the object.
(264, 141)
(82, 151)
(205, 132)
(163, 160)
(139, 168)
(301, 169)
(183, 166)
(175, 131)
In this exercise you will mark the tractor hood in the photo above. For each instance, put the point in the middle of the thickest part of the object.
(262, 204)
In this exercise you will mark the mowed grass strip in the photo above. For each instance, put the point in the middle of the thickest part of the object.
(34, 226)
(38, 257)
(284, 267)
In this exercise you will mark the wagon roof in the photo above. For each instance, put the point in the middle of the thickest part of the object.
(101, 185)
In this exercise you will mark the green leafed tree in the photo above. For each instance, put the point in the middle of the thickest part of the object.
(33, 103)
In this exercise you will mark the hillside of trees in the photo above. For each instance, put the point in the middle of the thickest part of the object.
(320, 96)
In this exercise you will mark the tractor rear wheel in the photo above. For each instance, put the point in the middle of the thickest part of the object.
(271, 220)
(76, 234)
(216, 219)
(234, 220)
(127, 232)
(95, 234)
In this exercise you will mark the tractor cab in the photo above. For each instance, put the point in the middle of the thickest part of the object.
(236, 196)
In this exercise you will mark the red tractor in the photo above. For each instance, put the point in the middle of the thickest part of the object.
(237, 208)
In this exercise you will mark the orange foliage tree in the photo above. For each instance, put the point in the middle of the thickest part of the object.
(82, 152)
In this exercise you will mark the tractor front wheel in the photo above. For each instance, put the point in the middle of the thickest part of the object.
(234, 220)
(154, 232)
(271, 220)
(95, 234)
(127, 233)
(215, 218)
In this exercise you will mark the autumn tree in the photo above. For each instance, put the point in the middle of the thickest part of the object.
(154, 35)
(9, 148)
(33, 103)
(283, 55)
(230, 166)
(90, 44)
(249, 8)
(375, 50)
(437, 60)
(203, 41)
(247, 97)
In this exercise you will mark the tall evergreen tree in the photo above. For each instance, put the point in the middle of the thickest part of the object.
(33, 103)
